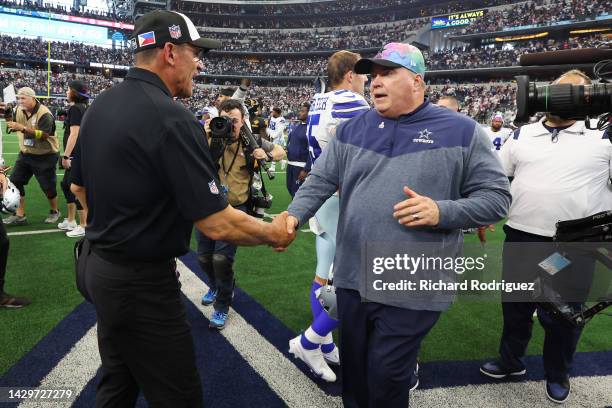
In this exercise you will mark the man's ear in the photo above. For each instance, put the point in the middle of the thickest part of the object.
(170, 52)
(350, 76)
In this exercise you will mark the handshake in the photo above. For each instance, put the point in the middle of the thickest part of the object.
(284, 226)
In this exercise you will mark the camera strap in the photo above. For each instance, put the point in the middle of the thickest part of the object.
(226, 172)
(263, 185)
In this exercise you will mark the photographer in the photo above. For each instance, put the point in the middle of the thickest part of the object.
(38, 153)
(561, 171)
(236, 169)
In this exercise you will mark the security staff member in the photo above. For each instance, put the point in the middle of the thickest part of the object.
(297, 153)
(216, 257)
(145, 169)
(38, 153)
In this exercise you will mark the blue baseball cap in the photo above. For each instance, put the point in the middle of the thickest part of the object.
(394, 55)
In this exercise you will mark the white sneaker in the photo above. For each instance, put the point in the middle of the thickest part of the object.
(333, 357)
(313, 359)
(67, 225)
(78, 231)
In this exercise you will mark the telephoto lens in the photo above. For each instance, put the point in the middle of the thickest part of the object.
(221, 127)
(564, 100)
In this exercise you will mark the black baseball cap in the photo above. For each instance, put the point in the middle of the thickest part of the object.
(156, 28)
(79, 87)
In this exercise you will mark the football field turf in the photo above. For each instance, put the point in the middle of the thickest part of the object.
(40, 266)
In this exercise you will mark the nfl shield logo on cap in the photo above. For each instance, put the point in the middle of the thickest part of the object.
(213, 187)
(175, 31)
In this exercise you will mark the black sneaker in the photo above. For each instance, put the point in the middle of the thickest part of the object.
(495, 369)
(558, 392)
(12, 302)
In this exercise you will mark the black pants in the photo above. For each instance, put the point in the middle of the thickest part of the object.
(65, 184)
(40, 166)
(379, 345)
(560, 339)
(4, 248)
(144, 338)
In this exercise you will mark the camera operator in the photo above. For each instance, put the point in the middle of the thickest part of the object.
(561, 171)
(236, 171)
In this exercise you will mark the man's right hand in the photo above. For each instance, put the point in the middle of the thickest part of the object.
(302, 176)
(283, 237)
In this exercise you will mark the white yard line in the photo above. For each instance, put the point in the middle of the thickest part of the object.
(21, 233)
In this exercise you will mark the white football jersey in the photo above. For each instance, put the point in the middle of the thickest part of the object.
(498, 138)
(276, 127)
(327, 111)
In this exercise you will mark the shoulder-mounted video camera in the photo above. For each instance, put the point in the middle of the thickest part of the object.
(565, 100)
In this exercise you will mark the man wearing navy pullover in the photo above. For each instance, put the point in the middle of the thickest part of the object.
(408, 172)
(297, 153)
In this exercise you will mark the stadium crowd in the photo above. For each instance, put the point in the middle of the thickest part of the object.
(30, 49)
(319, 40)
(462, 58)
(326, 14)
(457, 58)
(538, 12)
(478, 101)
(481, 101)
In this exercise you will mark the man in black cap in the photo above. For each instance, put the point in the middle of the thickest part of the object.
(78, 97)
(144, 168)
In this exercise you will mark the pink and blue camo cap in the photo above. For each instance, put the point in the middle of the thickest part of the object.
(394, 55)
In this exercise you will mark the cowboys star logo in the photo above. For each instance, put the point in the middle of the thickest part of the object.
(424, 134)
(424, 137)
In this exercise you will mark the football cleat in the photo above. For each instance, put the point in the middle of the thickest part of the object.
(313, 359)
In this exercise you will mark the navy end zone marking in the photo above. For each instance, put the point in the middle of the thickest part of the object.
(268, 326)
(38, 362)
(227, 379)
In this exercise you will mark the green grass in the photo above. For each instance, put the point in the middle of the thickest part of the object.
(41, 268)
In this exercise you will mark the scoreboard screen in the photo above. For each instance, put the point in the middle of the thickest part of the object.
(457, 19)
(52, 29)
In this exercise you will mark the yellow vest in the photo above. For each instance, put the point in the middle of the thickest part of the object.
(40, 147)
(238, 176)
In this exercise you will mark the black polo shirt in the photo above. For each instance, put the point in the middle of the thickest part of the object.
(73, 118)
(144, 161)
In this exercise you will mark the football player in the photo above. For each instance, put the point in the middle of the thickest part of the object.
(498, 134)
(276, 132)
(328, 110)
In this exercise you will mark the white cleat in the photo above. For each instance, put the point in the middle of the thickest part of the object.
(313, 359)
(333, 357)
